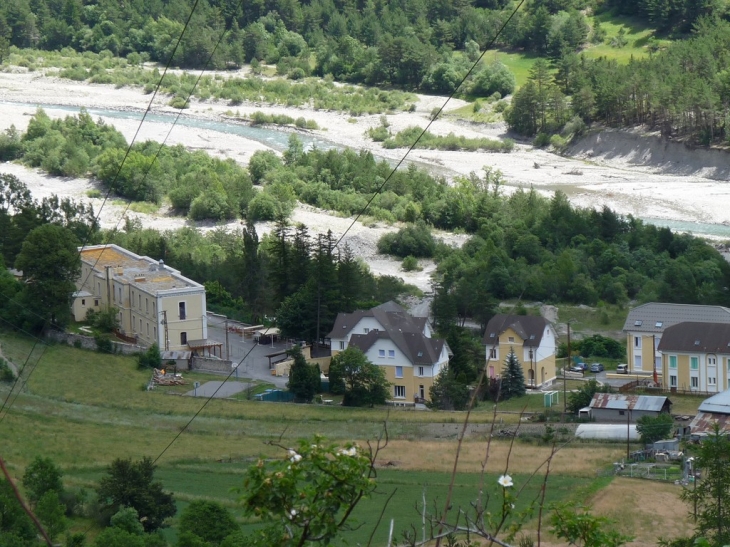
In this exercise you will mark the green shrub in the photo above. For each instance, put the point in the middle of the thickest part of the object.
(378, 134)
(94, 193)
(178, 102)
(410, 264)
(6, 373)
(541, 140)
(414, 240)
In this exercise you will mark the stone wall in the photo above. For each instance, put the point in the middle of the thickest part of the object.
(88, 342)
(209, 364)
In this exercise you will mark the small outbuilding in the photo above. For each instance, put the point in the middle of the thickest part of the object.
(607, 432)
(713, 411)
(620, 408)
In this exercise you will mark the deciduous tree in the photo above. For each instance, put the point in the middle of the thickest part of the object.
(361, 382)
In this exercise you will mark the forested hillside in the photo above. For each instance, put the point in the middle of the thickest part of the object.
(406, 42)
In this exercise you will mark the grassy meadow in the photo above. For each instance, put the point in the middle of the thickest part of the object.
(86, 409)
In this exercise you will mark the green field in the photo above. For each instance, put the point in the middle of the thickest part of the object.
(86, 409)
(194, 480)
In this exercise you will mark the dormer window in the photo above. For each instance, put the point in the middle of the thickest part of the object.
(638, 323)
(659, 324)
(366, 330)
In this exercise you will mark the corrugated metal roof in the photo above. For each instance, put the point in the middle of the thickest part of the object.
(718, 404)
(617, 401)
(656, 316)
(705, 422)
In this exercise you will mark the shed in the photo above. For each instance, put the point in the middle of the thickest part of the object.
(712, 411)
(181, 358)
(607, 432)
(617, 407)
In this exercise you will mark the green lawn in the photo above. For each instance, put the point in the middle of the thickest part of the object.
(637, 34)
(218, 481)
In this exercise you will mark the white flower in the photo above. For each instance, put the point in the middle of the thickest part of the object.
(512, 505)
(291, 452)
(505, 481)
(347, 451)
(296, 458)
(293, 512)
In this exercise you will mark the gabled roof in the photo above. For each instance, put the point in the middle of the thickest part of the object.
(717, 404)
(617, 401)
(655, 317)
(528, 327)
(419, 349)
(398, 325)
(696, 338)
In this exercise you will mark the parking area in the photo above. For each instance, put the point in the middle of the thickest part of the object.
(250, 356)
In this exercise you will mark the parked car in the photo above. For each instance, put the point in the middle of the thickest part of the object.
(579, 367)
(622, 369)
(596, 367)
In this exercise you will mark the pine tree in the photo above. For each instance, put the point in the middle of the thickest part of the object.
(304, 379)
(513, 379)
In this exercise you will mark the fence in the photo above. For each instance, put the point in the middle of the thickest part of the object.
(648, 471)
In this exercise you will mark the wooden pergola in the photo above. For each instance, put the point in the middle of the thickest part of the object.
(200, 346)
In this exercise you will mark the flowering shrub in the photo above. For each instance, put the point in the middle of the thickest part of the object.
(309, 494)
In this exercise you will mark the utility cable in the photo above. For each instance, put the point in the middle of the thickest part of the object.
(362, 211)
(430, 122)
(112, 185)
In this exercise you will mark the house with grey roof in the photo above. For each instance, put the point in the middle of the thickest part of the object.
(532, 339)
(645, 326)
(712, 411)
(696, 356)
(617, 407)
(399, 343)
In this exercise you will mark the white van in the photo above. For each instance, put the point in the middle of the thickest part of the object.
(622, 369)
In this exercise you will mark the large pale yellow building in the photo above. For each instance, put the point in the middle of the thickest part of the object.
(696, 357)
(156, 303)
(398, 343)
(645, 327)
(533, 340)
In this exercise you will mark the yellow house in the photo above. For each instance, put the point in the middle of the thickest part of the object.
(156, 303)
(533, 341)
(696, 357)
(645, 326)
(397, 342)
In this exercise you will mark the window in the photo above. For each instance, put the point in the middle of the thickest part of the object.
(83, 301)
(400, 392)
(140, 325)
(148, 329)
(154, 331)
(114, 296)
(366, 330)
(511, 339)
(493, 353)
(120, 295)
(658, 324)
(712, 361)
(637, 342)
(342, 344)
(399, 372)
(694, 382)
(147, 305)
(183, 338)
(391, 354)
(381, 353)
(96, 302)
(637, 323)
(672, 381)
(154, 307)
(694, 363)
(98, 288)
(621, 413)
(139, 296)
(672, 361)
(181, 310)
(420, 371)
(711, 381)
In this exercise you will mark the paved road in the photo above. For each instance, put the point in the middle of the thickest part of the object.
(219, 389)
(250, 357)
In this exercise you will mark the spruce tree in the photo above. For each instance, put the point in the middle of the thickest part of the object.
(513, 379)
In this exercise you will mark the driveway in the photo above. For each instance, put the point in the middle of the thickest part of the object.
(219, 389)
